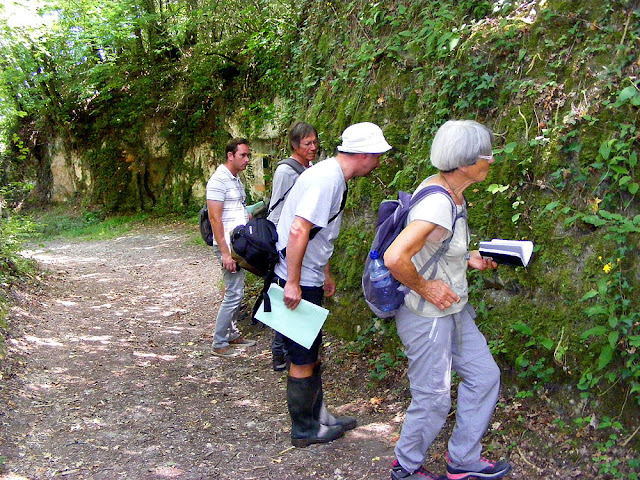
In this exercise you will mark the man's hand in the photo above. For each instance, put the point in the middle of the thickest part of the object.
(292, 295)
(215, 218)
(329, 285)
(229, 263)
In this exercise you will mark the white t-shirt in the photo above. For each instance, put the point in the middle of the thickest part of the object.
(452, 266)
(223, 186)
(316, 197)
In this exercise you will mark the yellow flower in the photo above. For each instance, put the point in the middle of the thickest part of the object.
(607, 268)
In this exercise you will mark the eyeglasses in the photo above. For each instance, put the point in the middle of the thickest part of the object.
(309, 144)
(486, 157)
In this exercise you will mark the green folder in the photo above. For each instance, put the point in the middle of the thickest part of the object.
(300, 325)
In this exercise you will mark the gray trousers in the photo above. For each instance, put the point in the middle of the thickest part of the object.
(435, 346)
(225, 330)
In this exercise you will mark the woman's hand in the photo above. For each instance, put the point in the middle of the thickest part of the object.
(479, 262)
(439, 293)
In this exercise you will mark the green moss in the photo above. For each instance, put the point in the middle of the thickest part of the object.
(349, 315)
(547, 85)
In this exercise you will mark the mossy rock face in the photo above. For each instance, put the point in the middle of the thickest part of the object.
(348, 315)
(545, 79)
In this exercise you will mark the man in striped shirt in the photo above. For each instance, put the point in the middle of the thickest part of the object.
(226, 205)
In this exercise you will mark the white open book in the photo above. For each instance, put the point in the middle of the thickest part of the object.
(508, 252)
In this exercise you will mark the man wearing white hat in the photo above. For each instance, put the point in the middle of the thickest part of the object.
(309, 224)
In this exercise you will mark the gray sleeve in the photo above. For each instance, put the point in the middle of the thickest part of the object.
(283, 179)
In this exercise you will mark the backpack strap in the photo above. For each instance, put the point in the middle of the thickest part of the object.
(293, 163)
(263, 296)
(298, 168)
(428, 190)
(438, 254)
(314, 231)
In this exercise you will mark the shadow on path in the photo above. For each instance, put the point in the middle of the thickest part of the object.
(110, 376)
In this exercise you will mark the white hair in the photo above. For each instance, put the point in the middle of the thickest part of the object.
(458, 143)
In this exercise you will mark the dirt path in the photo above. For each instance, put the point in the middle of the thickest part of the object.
(109, 375)
(113, 377)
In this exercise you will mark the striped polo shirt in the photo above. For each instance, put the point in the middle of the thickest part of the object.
(223, 186)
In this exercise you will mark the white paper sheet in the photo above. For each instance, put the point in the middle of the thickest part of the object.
(300, 325)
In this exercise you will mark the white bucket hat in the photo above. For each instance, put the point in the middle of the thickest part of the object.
(364, 137)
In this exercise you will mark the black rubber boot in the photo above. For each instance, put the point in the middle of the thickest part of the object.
(305, 429)
(320, 411)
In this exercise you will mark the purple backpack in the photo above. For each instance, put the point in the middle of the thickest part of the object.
(392, 217)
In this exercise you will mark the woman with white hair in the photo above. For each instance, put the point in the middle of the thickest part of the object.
(436, 323)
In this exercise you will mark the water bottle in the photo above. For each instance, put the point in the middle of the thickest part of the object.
(384, 292)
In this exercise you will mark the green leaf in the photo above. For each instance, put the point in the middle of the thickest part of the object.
(624, 180)
(633, 188)
(611, 216)
(515, 218)
(521, 362)
(595, 331)
(596, 310)
(574, 147)
(547, 343)
(605, 357)
(627, 93)
(571, 220)
(551, 206)
(495, 188)
(605, 150)
(521, 54)
(594, 220)
(510, 147)
(613, 338)
(620, 170)
(588, 295)
(523, 328)
(603, 286)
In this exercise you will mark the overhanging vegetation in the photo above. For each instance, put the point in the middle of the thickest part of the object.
(556, 80)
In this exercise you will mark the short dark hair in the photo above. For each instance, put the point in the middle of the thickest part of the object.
(300, 131)
(232, 145)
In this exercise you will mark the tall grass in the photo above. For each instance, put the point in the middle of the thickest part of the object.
(15, 231)
(87, 225)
